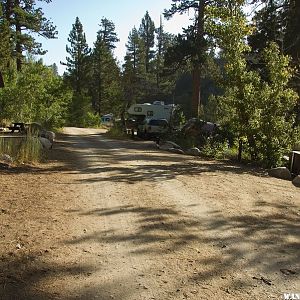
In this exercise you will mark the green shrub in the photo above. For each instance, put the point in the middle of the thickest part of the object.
(35, 94)
(90, 120)
(117, 131)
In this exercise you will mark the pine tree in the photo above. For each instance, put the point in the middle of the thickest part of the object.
(278, 21)
(105, 71)
(107, 34)
(195, 36)
(134, 68)
(292, 34)
(135, 52)
(77, 61)
(25, 20)
(292, 44)
(164, 41)
(5, 45)
(256, 105)
(77, 74)
(269, 26)
(54, 69)
(146, 33)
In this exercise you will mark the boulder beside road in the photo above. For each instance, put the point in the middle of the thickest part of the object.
(166, 145)
(280, 172)
(175, 150)
(193, 151)
(296, 181)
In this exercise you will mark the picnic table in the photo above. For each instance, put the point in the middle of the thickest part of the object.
(20, 127)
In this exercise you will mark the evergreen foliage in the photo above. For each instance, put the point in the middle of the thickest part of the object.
(279, 21)
(5, 45)
(146, 33)
(192, 45)
(77, 74)
(24, 19)
(77, 61)
(105, 82)
(256, 98)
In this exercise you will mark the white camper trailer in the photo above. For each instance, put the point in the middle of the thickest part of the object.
(157, 110)
(141, 114)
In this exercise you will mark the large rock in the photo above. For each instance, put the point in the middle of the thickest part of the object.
(166, 145)
(281, 172)
(45, 143)
(296, 181)
(193, 151)
(50, 135)
(175, 150)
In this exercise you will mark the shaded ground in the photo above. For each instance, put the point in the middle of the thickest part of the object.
(111, 219)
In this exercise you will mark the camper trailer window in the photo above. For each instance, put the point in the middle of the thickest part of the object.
(150, 113)
(137, 109)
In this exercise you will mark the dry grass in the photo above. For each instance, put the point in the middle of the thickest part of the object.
(23, 149)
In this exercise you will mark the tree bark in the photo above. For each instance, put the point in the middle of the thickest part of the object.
(196, 97)
(1, 81)
(198, 60)
(18, 39)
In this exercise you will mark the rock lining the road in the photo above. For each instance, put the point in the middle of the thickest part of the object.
(296, 181)
(281, 173)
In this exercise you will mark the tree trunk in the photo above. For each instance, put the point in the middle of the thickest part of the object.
(18, 39)
(240, 150)
(196, 92)
(196, 98)
(1, 81)
(252, 147)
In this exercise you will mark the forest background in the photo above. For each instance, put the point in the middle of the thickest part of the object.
(237, 70)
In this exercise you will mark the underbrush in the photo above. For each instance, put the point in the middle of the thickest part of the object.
(21, 150)
(218, 150)
(117, 132)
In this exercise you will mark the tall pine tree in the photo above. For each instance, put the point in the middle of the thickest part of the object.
(25, 20)
(77, 61)
(196, 37)
(5, 44)
(76, 75)
(134, 68)
(164, 41)
(105, 79)
(147, 34)
(107, 33)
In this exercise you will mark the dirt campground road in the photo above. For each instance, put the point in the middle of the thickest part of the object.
(107, 219)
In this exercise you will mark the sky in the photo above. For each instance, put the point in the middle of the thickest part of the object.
(124, 14)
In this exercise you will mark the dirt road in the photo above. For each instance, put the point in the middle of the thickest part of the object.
(123, 220)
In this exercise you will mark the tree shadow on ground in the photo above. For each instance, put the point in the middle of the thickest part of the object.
(21, 274)
(267, 237)
(104, 155)
(27, 276)
(218, 243)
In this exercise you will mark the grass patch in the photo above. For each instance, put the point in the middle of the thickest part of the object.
(22, 149)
